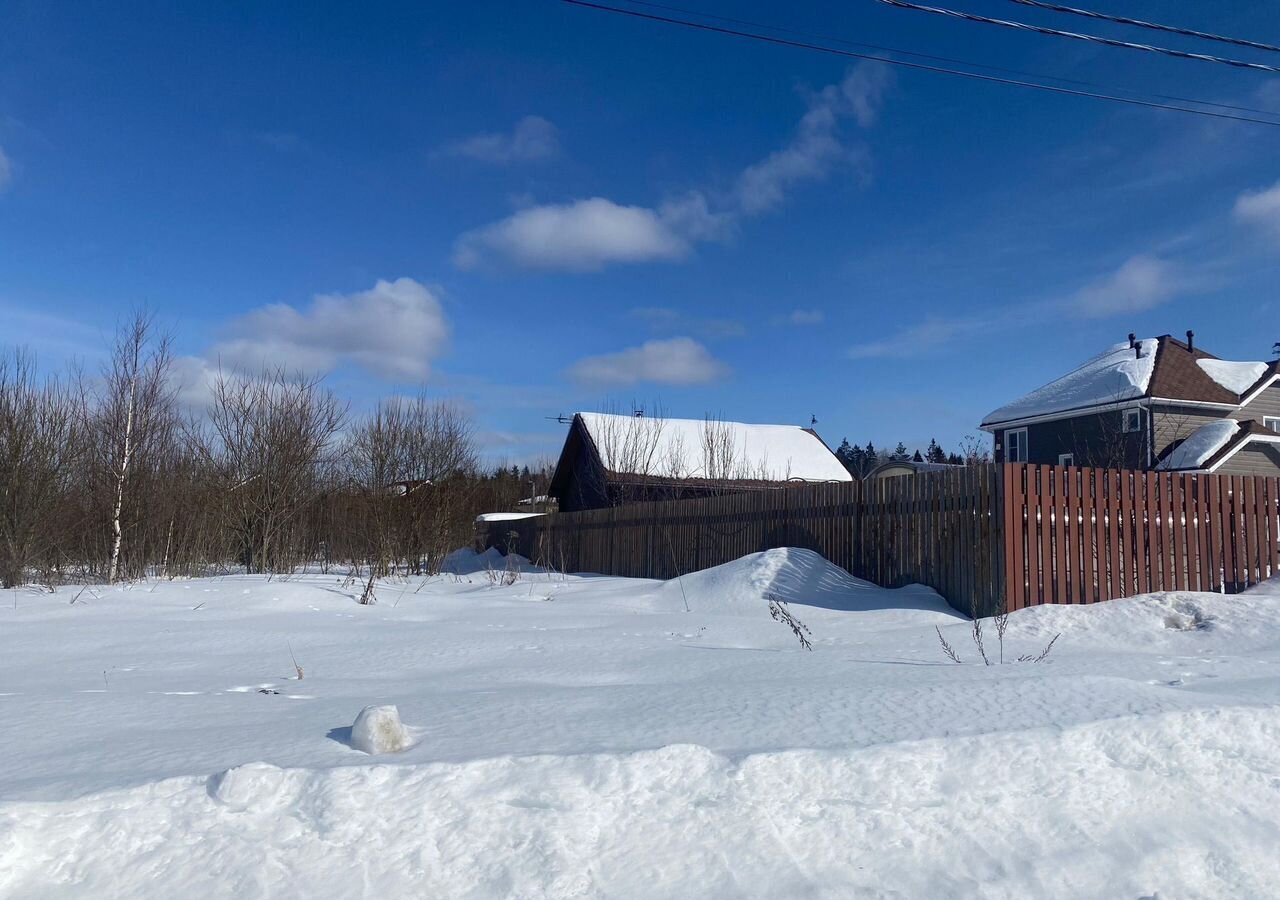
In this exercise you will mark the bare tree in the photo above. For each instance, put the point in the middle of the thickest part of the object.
(412, 463)
(269, 441)
(131, 421)
(39, 449)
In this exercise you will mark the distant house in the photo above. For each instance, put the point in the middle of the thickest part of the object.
(608, 460)
(897, 467)
(1152, 404)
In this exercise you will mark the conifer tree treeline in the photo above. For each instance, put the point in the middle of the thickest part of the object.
(860, 461)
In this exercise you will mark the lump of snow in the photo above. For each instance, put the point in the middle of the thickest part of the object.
(253, 784)
(378, 729)
(1237, 377)
(1110, 377)
(1201, 445)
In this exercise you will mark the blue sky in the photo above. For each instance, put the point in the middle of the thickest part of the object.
(537, 208)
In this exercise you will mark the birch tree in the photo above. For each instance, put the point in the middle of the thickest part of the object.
(133, 420)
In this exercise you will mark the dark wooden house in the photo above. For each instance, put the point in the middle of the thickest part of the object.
(608, 460)
(1158, 403)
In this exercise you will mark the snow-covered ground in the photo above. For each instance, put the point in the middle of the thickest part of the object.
(589, 737)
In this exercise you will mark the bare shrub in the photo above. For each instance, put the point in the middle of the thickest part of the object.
(947, 648)
(781, 612)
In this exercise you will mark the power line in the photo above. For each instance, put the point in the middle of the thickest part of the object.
(977, 76)
(1075, 35)
(1154, 26)
(945, 59)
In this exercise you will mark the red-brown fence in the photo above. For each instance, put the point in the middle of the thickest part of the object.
(1082, 535)
(985, 537)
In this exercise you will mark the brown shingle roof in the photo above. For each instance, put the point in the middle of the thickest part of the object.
(1177, 377)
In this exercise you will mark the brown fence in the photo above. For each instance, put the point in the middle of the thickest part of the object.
(1082, 535)
(940, 529)
(985, 537)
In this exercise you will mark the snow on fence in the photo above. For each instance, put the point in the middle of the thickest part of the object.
(1077, 535)
(984, 537)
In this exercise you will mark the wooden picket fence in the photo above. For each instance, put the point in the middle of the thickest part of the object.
(985, 537)
(940, 529)
(1079, 535)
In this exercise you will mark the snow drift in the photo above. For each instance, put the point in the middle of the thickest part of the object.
(1114, 809)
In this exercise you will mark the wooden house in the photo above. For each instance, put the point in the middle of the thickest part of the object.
(1153, 404)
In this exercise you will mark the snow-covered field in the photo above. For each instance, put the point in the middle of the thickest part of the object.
(589, 737)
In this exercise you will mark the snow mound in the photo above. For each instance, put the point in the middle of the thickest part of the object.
(1244, 621)
(1110, 377)
(466, 561)
(1179, 805)
(1237, 377)
(255, 785)
(378, 729)
(800, 577)
(1200, 446)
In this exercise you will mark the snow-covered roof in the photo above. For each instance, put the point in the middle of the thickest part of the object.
(1236, 377)
(1116, 375)
(505, 516)
(1201, 445)
(710, 449)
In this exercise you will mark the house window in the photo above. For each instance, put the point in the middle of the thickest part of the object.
(1132, 420)
(1066, 459)
(1015, 445)
(1272, 422)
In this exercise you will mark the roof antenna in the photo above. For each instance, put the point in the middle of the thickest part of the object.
(813, 420)
(1191, 340)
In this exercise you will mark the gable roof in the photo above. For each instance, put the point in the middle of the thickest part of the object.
(700, 450)
(1161, 368)
(1213, 443)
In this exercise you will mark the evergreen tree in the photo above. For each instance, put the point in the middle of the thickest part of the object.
(900, 453)
(870, 459)
(917, 457)
(935, 454)
(955, 459)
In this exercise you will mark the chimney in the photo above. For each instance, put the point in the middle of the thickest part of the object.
(1133, 339)
(1137, 350)
(1191, 340)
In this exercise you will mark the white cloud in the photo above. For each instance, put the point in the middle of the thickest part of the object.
(916, 340)
(677, 361)
(533, 139)
(1141, 283)
(393, 331)
(582, 236)
(1260, 208)
(6, 170)
(805, 317)
(817, 146)
(587, 235)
